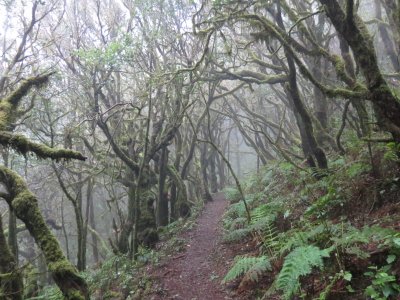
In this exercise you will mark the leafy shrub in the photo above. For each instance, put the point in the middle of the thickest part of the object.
(383, 284)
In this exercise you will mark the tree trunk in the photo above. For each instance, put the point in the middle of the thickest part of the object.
(206, 196)
(11, 284)
(386, 105)
(387, 41)
(213, 172)
(301, 109)
(162, 203)
(80, 227)
(92, 221)
(174, 189)
(25, 206)
(182, 207)
(127, 226)
(358, 104)
(320, 104)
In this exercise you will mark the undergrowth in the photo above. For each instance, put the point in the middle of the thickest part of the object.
(336, 237)
(119, 277)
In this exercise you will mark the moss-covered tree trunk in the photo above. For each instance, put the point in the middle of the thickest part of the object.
(385, 36)
(309, 141)
(205, 191)
(392, 8)
(358, 104)
(162, 201)
(221, 172)
(127, 226)
(81, 238)
(12, 234)
(11, 284)
(213, 172)
(25, 206)
(80, 224)
(92, 221)
(350, 26)
(181, 206)
(175, 192)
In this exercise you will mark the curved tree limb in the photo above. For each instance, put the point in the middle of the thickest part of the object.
(23, 145)
(25, 205)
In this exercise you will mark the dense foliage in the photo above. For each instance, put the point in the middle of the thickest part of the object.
(325, 238)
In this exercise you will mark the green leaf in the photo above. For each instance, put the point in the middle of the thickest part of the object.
(391, 258)
(347, 276)
(350, 288)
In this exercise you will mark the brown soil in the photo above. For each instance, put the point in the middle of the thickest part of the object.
(196, 273)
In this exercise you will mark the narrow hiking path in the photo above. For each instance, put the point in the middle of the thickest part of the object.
(196, 273)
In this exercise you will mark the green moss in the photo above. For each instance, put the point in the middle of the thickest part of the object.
(25, 206)
(5, 112)
(24, 202)
(9, 104)
(23, 145)
(61, 267)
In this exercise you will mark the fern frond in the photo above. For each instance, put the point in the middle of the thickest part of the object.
(232, 194)
(238, 223)
(252, 267)
(237, 235)
(299, 263)
(261, 212)
(296, 238)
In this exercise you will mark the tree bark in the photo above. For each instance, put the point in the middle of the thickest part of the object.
(386, 105)
(92, 222)
(25, 206)
(162, 203)
(309, 137)
(358, 104)
(11, 284)
(385, 36)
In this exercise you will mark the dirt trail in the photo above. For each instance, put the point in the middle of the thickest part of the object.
(196, 274)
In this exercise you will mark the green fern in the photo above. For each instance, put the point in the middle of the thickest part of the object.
(237, 235)
(237, 223)
(299, 263)
(251, 267)
(352, 236)
(232, 194)
(392, 152)
(357, 168)
(311, 234)
(260, 212)
(262, 222)
(271, 243)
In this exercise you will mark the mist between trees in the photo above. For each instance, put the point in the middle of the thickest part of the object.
(117, 117)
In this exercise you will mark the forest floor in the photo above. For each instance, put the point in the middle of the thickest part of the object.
(197, 271)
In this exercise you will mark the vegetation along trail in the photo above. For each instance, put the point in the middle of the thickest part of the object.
(121, 120)
(197, 273)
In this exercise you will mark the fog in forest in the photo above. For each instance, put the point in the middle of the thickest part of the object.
(121, 120)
